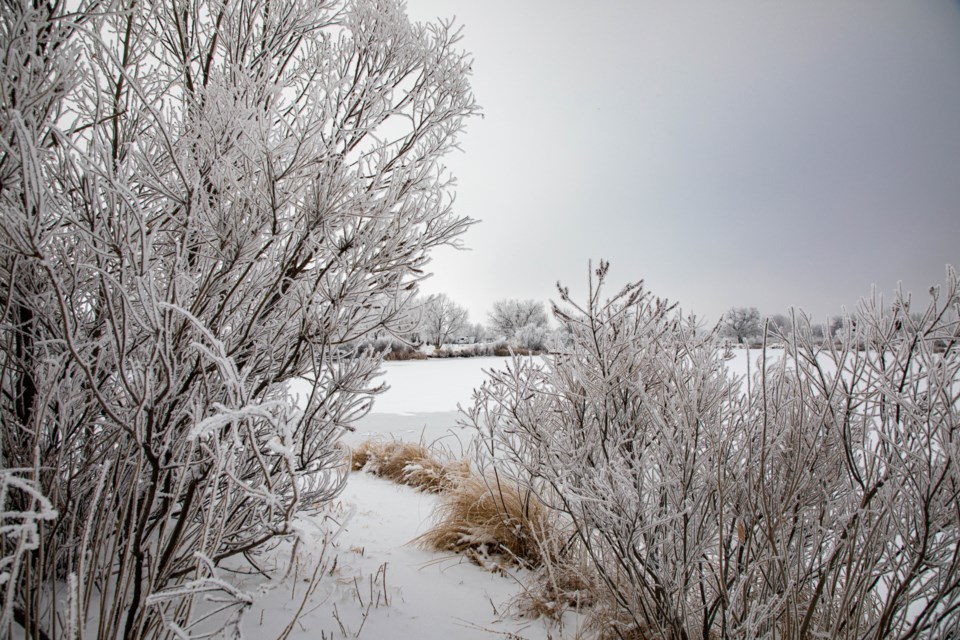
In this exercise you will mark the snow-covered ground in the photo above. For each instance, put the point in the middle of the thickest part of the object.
(375, 583)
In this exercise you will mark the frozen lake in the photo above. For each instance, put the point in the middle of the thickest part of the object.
(422, 400)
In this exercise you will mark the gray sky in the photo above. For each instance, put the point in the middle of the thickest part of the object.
(760, 153)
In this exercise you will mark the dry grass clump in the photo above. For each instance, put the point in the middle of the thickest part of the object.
(496, 522)
(360, 455)
(562, 584)
(482, 516)
(408, 463)
(489, 520)
(434, 476)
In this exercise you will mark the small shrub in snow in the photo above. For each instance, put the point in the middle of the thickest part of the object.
(404, 353)
(504, 350)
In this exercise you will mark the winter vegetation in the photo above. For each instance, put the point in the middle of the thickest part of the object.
(214, 221)
(201, 202)
(492, 522)
(439, 328)
(818, 498)
(510, 317)
(741, 324)
(410, 463)
(517, 325)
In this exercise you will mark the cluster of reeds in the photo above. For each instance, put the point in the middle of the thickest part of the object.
(481, 516)
(412, 464)
(485, 516)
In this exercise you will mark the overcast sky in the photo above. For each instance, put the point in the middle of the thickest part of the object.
(760, 153)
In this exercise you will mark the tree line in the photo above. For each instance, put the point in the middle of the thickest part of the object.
(522, 323)
(525, 323)
(746, 326)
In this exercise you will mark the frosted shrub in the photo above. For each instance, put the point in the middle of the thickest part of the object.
(201, 201)
(817, 500)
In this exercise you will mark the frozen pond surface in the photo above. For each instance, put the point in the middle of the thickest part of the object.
(432, 386)
(422, 400)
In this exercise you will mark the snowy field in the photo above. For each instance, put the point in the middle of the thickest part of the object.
(375, 583)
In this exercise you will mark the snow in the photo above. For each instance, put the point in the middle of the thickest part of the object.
(428, 386)
(376, 582)
(427, 595)
(422, 399)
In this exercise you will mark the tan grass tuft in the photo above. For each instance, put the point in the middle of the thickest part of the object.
(360, 455)
(410, 464)
(481, 516)
(433, 476)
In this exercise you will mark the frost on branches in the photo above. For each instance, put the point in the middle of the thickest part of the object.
(818, 500)
(201, 200)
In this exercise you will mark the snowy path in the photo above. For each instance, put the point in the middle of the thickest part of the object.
(381, 586)
(425, 595)
(431, 595)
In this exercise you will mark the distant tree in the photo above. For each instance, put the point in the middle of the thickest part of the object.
(779, 323)
(442, 319)
(817, 331)
(741, 323)
(836, 326)
(535, 337)
(509, 316)
(477, 331)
